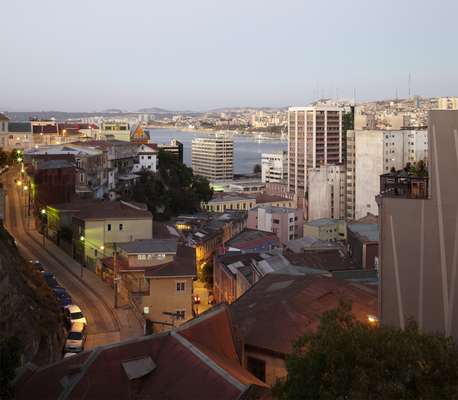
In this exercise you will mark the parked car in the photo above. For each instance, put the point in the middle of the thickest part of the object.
(37, 265)
(62, 297)
(196, 299)
(50, 279)
(74, 314)
(76, 338)
(67, 355)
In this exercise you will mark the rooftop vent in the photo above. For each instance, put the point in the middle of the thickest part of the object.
(139, 367)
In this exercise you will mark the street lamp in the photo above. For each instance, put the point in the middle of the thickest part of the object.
(43, 213)
(82, 239)
(19, 182)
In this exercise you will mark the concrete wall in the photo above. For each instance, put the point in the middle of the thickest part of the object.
(419, 241)
(368, 168)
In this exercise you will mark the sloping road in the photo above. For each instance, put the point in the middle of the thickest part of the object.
(105, 324)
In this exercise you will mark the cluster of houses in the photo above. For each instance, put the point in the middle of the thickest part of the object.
(272, 274)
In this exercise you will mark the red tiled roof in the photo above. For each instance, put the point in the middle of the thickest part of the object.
(280, 308)
(182, 369)
(98, 209)
(269, 198)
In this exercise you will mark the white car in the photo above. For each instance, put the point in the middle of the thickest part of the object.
(67, 355)
(74, 314)
(76, 338)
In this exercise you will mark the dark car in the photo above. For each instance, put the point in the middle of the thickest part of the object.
(37, 265)
(64, 301)
(50, 280)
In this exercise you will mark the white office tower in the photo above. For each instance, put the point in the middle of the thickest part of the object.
(213, 158)
(274, 167)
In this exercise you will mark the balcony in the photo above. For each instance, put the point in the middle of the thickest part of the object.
(403, 185)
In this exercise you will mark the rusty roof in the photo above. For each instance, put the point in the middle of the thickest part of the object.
(280, 308)
(181, 368)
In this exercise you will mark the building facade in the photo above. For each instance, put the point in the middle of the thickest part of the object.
(174, 147)
(115, 130)
(285, 223)
(373, 153)
(274, 167)
(213, 158)
(418, 237)
(326, 194)
(315, 137)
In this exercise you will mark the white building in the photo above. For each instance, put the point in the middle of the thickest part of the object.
(326, 194)
(213, 157)
(274, 167)
(147, 158)
(373, 153)
(447, 103)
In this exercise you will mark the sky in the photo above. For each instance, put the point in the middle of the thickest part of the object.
(91, 55)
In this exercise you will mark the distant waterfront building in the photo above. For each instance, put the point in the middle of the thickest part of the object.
(115, 130)
(315, 137)
(213, 157)
(447, 103)
(371, 153)
(274, 167)
(326, 192)
(174, 147)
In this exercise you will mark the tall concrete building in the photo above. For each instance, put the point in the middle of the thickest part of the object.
(274, 167)
(118, 130)
(371, 153)
(315, 137)
(419, 237)
(327, 192)
(213, 157)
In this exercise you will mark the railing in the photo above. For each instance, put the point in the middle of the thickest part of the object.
(404, 186)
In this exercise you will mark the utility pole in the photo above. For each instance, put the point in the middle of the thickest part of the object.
(115, 279)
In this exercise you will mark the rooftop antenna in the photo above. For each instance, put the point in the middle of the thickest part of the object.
(410, 82)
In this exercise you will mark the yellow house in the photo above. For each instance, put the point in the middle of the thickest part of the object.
(98, 226)
(230, 201)
(162, 286)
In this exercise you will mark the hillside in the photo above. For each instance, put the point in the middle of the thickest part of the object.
(28, 309)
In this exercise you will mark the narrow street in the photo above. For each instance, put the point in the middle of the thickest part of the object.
(95, 298)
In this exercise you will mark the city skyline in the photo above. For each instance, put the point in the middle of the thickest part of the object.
(197, 56)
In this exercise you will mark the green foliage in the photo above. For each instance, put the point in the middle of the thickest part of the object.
(173, 189)
(348, 121)
(348, 359)
(206, 275)
(10, 359)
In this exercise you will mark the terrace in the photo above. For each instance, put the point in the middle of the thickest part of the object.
(404, 185)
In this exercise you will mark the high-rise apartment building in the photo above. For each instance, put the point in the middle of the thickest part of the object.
(419, 237)
(213, 157)
(274, 167)
(371, 153)
(315, 137)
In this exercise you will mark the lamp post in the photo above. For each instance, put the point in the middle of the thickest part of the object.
(82, 239)
(43, 213)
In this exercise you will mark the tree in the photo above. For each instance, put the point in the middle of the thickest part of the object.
(257, 169)
(10, 359)
(173, 189)
(349, 359)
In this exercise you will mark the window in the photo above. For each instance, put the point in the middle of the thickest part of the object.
(180, 286)
(95, 252)
(149, 157)
(141, 257)
(180, 314)
(276, 221)
(120, 227)
(257, 367)
(109, 227)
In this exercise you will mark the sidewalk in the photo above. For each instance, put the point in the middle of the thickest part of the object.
(129, 324)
